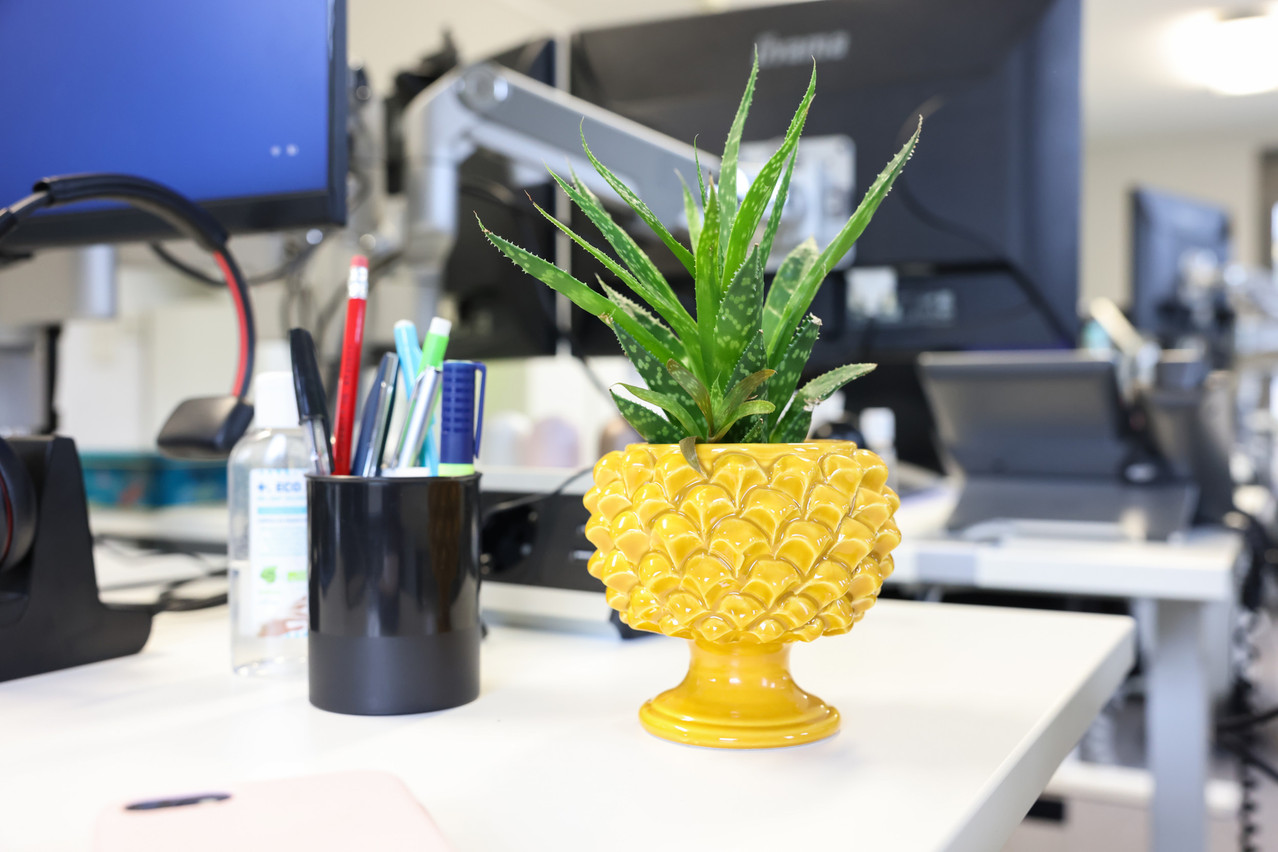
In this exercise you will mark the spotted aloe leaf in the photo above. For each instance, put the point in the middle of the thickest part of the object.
(794, 425)
(651, 370)
(806, 289)
(579, 293)
(740, 316)
(728, 168)
(780, 389)
(707, 283)
(760, 192)
(641, 274)
(784, 283)
(654, 327)
(634, 203)
(820, 388)
(672, 405)
(650, 425)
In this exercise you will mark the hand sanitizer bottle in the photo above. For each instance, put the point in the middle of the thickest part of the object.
(267, 545)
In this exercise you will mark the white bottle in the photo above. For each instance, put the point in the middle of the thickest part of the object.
(878, 427)
(267, 545)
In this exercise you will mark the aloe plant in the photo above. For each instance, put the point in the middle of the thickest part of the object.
(731, 372)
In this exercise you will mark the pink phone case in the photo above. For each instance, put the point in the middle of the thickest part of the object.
(339, 812)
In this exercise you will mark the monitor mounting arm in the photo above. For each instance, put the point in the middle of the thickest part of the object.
(488, 107)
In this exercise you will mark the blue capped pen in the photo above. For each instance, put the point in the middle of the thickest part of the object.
(461, 420)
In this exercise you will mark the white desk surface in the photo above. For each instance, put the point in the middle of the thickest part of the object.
(954, 718)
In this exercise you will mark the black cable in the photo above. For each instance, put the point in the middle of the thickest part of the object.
(1238, 733)
(282, 271)
(1027, 285)
(168, 600)
(377, 267)
(531, 499)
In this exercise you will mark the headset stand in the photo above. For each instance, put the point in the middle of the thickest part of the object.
(50, 614)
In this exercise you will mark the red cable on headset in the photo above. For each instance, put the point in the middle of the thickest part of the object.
(237, 296)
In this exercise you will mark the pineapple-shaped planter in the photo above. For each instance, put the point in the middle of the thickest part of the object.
(726, 528)
(770, 544)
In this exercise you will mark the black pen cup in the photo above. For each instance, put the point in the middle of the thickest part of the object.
(394, 593)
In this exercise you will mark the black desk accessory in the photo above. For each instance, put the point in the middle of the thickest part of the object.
(50, 614)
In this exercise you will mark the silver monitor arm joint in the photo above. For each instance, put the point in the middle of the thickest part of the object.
(488, 107)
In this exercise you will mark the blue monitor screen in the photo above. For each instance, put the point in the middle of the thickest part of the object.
(230, 102)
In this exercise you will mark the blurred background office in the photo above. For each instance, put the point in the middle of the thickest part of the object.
(1096, 190)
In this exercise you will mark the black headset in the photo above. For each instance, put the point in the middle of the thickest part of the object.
(200, 428)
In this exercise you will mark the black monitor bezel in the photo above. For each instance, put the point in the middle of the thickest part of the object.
(242, 214)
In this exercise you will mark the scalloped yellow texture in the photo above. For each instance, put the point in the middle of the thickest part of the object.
(776, 543)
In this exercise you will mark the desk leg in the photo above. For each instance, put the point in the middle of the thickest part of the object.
(1177, 716)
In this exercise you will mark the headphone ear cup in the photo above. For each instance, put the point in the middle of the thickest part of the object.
(17, 508)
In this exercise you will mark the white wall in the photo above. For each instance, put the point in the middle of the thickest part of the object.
(1223, 168)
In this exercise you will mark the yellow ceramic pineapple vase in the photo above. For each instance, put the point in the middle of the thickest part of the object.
(772, 543)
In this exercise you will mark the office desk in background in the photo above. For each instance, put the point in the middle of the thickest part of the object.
(954, 718)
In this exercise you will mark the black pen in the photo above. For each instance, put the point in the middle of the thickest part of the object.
(312, 405)
(375, 422)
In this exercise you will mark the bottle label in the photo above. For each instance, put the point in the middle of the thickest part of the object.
(277, 555)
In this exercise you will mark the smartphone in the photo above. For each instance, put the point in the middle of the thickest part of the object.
(339, 811)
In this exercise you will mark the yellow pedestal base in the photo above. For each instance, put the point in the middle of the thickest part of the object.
(739, 696)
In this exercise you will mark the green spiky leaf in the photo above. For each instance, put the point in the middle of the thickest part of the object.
(650, 425)
(806, 290)
(780, 389)
(820, 388)
(752, 360)
(793, 427)
(728, 165)
(760, 192)
(707, 283)
(652, 370)
(778, 207)
(747, 430)
(636, 204)
(650, 324)
(740, 315)
(746, 409)
(693, 387)
(788, 276)
(670, 404)
(737, 396)
(579, 293)
(701, 179)
(643, 276)
(693, 214)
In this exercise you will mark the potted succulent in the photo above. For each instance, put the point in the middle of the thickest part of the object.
(728, 528)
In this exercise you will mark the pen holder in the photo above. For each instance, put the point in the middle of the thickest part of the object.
(394, 593)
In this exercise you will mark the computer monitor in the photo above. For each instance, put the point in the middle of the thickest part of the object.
(239, 105)
(1179, 246)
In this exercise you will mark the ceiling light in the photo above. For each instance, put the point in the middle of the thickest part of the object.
(1227, 54)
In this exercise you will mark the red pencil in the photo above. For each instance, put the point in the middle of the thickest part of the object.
(348, 378)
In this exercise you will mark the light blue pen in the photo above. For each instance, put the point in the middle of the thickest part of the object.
(410, 353)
